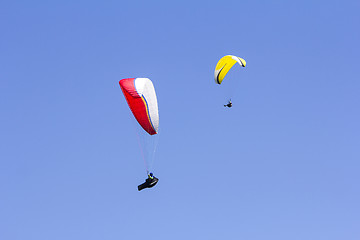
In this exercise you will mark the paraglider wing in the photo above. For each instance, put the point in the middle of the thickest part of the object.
(141, 98)
(224, 65)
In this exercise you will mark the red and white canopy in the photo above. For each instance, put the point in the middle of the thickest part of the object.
(141, 98)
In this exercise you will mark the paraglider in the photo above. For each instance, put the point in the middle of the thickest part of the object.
(141, 98)
(150, 182)
(229, 105)
(223, 67)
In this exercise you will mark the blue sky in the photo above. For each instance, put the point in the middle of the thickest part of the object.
(283, 163)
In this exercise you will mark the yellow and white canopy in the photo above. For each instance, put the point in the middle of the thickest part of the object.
(224, 65)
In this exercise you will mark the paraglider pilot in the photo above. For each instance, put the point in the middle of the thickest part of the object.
(229, 105)
(149, 182)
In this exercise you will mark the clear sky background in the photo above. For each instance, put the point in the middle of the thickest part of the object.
(282, 164)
